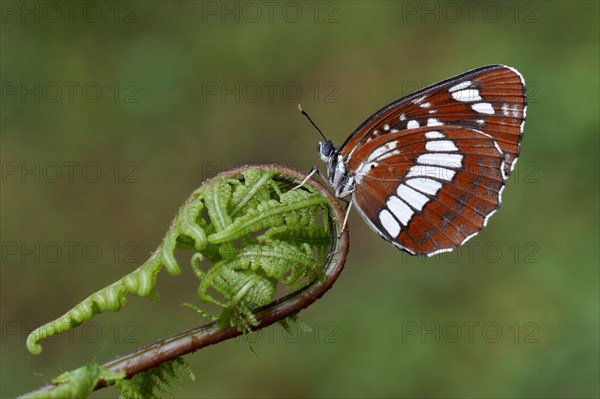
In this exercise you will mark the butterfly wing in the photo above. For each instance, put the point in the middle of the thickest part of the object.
(427, 191)
(490, 99)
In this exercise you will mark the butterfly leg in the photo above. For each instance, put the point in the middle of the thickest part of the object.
(346, 217)
(311, 172)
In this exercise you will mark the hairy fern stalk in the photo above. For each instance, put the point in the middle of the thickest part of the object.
(152, 384)
(249, 233)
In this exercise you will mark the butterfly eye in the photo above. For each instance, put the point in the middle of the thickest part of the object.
(326, 150)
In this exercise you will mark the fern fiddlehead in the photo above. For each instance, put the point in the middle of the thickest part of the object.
(252, 232)
(296, 240)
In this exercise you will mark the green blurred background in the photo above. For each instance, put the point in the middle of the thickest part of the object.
(156, 96)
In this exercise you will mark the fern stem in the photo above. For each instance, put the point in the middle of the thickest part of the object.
(189, 341)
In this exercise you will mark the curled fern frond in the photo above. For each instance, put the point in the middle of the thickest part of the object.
(238, 284)
(251, 231)
(262, 232)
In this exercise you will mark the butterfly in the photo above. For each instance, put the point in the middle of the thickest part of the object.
(427, 171)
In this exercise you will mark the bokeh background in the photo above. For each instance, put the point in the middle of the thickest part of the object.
(113, 112)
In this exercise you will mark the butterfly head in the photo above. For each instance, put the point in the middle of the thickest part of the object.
(326, 151)
(339, 179)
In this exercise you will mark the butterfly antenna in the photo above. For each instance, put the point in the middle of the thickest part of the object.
(310, 120)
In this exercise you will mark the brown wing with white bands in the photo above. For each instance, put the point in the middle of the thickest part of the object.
(439, 186)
